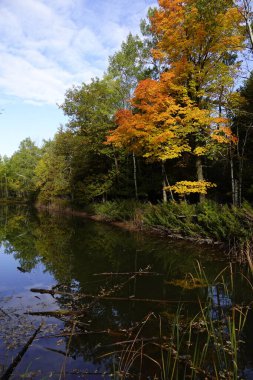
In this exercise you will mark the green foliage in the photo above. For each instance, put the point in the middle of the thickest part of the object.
(207, 220)
(17, 177)
(127, 67)
(52, 175)
(221, 223)
(117, 210)
(178, 218)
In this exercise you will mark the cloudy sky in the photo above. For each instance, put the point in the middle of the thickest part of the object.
(46, 46)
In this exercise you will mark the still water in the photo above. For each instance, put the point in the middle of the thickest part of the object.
(127, 281)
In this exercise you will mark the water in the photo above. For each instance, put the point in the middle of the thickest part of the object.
(72, 255)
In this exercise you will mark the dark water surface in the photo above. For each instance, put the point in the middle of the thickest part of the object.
(62, 252)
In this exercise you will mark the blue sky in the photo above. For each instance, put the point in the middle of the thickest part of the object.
(46, 46)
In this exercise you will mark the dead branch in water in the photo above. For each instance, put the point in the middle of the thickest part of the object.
(52, 292)
(20, 355)
(106, 298)
(140, 273)
(57, 313)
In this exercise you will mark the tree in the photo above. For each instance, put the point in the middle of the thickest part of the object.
(21, 167)
(90, 109)
(127, 67)
(245, 8)
(182, 110)
(164, 121)
(52, 174)
(241, 155)
(4, 169)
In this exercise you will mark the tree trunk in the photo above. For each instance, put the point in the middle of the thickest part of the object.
(6, 187)
(247, 16)
(135, 177)
(116, 165)
(239, 198)
(165, 199)
(200, 176)
(164, 184)
(232, 180)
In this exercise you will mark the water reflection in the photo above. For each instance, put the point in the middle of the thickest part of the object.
(63, 253)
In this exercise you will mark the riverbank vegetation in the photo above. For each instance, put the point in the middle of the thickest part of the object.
(205, 222)
(171, 119)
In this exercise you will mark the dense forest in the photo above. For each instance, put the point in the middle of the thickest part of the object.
(172, 117)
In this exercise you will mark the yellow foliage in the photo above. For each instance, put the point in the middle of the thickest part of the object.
(200, 151)
(187, 187)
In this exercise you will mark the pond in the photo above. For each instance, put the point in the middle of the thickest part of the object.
(82, 299)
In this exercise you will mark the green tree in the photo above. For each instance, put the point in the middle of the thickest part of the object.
(90, 109)
(21, 166)
(241, 157)
(128, 66)
(4, 176)
(52, 174)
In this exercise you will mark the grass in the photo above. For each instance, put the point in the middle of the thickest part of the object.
(207, 346)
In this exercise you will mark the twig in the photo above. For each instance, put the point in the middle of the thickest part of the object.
(57, 351)
(4, 313)
(19, 357)
(140, 273)
(97, 297)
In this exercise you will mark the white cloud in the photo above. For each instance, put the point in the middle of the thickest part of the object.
(47, 46)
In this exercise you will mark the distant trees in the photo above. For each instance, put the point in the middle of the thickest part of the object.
(17, 173)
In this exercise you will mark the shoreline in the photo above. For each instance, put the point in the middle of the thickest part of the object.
(130, 225)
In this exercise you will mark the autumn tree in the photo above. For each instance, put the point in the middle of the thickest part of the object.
(182, 110)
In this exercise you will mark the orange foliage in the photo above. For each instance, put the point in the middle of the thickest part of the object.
(193, 39)
(162, 120)
(169, 116)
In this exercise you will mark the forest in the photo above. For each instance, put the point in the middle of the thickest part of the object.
(170, 120)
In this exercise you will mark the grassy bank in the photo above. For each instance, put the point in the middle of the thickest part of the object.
(207, 221)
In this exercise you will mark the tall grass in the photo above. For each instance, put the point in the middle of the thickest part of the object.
(208, 345)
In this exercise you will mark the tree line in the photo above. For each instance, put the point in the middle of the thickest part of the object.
(170, 118)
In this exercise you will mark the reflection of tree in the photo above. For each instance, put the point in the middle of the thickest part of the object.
(16, 232)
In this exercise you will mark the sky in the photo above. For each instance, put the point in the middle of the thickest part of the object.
(46, 47)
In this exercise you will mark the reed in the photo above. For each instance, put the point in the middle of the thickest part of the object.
(206, 346)
(214, 336)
